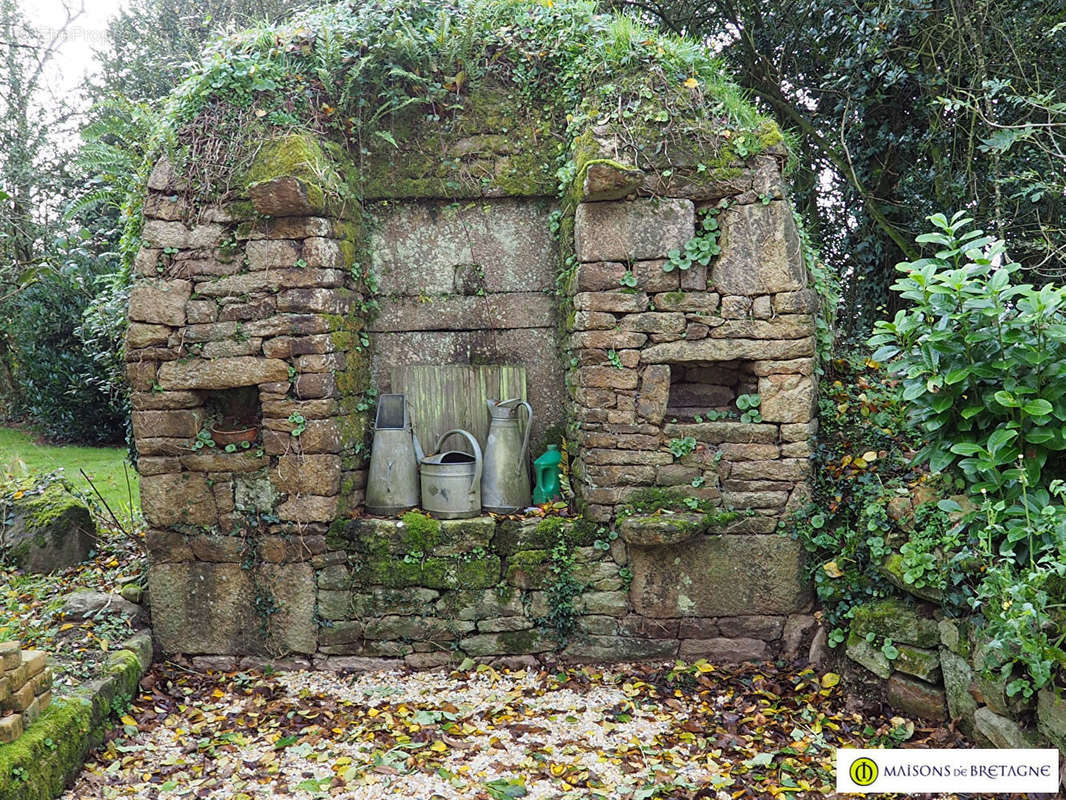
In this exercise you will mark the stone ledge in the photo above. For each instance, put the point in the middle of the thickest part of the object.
(652, 530)
(51, 753)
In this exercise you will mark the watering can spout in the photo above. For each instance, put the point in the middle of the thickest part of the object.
(419, 454)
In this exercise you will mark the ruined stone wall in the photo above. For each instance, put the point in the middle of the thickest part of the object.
(263, 301)
(661, 354)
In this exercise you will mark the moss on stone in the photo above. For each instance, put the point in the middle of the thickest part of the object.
(895, 619)
(452, 573)
(44, 770)
(51, 751)
(527, 641)
(528, 569)
(492, 145)
(420, 533)
(386, 570)
(50, 506)
(479, 573)
(324, 168)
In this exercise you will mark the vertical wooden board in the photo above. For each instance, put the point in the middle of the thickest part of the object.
(442, 397)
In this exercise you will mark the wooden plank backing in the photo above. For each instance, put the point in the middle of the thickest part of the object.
(442, 397)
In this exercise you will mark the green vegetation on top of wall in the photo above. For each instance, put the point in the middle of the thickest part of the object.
(513, 83)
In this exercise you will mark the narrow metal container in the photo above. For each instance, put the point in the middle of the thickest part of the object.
(392, 481)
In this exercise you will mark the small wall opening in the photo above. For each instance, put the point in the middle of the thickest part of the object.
(233, 409)
(708, 389)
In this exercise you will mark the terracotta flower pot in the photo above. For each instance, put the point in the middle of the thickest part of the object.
(223, 437)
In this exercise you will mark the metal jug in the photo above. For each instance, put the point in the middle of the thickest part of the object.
(392, 483)
(505, 481)
(451, 481)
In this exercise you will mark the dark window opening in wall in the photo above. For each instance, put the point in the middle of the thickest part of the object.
(233, 409)
(708, 389)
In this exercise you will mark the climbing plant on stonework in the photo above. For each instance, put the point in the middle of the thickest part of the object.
(354, 72)
(902, 109)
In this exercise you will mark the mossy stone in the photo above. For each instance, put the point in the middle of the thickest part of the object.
(528, 569)
(388, 571)
(919, 662)
(49, 754)
(532, 640)
(892, 568)
(419, 533)
(895, 620)
(466, 573)
(48, 529)
(651, 530)
(866, 654)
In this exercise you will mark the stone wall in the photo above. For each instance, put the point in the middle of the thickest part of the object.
(940, 674)
(469, 283)
(659, 354)
(263, 301)
(25, 689)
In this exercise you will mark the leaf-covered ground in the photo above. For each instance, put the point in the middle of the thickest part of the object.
(31, 607)
(626, 731)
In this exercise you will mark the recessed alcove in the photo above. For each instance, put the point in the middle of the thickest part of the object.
(233, 409)
(699, 387)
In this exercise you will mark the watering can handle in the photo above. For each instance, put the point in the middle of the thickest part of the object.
(525, 441)
(477, 453)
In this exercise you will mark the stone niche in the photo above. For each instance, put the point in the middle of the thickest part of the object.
(262, 307)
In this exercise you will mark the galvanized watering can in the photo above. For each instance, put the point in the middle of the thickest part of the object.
(505, 480)
(392, 483)
(451, 481)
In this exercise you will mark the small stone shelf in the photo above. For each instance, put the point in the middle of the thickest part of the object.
(660, 530)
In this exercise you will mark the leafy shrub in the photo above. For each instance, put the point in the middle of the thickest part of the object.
(64, 383)
(981, 357)
(982, 360)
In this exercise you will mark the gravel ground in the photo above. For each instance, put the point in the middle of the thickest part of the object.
(627, 731)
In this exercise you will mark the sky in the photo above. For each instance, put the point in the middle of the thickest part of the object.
(88, 32)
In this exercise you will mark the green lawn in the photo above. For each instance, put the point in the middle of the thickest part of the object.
(19, 454)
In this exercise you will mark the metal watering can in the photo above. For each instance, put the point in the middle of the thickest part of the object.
(392, 483)
(451, 481)
(505, 480)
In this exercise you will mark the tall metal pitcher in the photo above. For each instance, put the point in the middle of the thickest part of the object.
(505, 485)
(392, 484)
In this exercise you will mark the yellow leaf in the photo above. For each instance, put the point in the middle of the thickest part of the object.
(691, 83)
(439, 747)
(859, 463)
(845, 461)
(128, 720)
(66, 626)
(829, 680)
(832, 570)
(870, 456)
